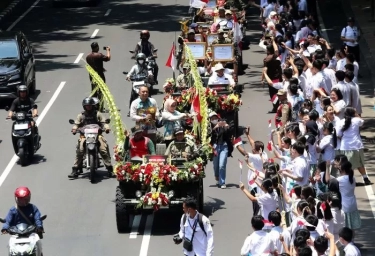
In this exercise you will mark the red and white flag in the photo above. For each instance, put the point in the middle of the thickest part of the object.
(237, 142)
(269, 123)
(269, 146)
(274, 99)
(171, 62)
(196, 106)
(237, 33)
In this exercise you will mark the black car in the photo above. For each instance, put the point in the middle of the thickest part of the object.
(17, 64)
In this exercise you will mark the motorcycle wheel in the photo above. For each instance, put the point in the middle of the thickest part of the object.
(92, 164)
(22, 156)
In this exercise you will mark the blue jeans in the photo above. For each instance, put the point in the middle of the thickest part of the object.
(220, 162)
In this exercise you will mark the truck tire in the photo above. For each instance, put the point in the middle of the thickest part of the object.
(160, 149)
(122, 215)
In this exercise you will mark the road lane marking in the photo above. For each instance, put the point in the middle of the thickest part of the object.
(95, 33)
(23, 15)
(134, 232)
(14, 159)
(146, 235)
(108, 12)
(78, 58)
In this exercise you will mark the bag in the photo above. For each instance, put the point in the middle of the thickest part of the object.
(200, 222)
(188, 244)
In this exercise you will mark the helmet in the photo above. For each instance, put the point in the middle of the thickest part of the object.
(22, 88)
(22, 196)
(140, 56)
(87, 102)
(145, 33)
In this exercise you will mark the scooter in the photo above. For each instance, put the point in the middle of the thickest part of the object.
(24, 240)
(150, 61)
(25, 141)
(91, 133)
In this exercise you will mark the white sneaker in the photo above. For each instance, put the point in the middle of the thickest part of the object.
(223, 186)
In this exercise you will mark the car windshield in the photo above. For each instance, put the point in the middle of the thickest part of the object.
(8, 50)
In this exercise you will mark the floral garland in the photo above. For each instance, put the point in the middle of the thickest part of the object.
(155, 199)
(229, 102)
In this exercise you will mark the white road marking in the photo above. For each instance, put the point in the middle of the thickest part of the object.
(23, 15)
(134, 232)
(14, 159)
(78, 58)
(146, 235)
(108, 12)
(95, 33)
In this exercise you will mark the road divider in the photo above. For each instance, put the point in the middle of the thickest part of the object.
(78, 58)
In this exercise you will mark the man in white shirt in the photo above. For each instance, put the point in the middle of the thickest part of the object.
(329, 75)
(344, 88)
(276, 231)
(351, 35)
(354, 92)
(345, 238)
(195, 228)
(228, 21)
(219, 77)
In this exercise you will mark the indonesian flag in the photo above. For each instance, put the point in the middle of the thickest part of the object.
(240, 163)
(268, 223)
(269, 123)
(269, 146)
(250, 175)
(196, 106)
(171, 62)
(237, 33)
(274, 99)
(237, 142)
(279, 124)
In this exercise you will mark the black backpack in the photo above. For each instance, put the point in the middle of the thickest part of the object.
(200, 221)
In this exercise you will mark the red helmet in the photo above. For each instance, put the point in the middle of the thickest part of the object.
(23, 196)
(145, 33)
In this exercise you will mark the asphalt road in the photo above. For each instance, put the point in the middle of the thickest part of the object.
(81, 215)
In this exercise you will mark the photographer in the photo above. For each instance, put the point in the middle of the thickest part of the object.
(95, 59)
(195, 231)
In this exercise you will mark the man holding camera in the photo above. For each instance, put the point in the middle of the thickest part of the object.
(95, 59)
(196, 233)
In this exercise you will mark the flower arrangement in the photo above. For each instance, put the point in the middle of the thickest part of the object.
(118, 154)
(169, 85)
(195, 169)
(229, 102)
(155, 198)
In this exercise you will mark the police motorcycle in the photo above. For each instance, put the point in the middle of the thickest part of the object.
(91, 134)
(25, 141)
(24, 239)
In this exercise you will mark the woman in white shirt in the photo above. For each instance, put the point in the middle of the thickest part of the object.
(351, 141)
(338, 214)
(338, 103)
(328, 143)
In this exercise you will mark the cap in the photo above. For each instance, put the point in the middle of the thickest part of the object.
(219, 66)
(273, 13)
(193, 25)
(136, 129)
(350, 19)
(213, 113)
(186, 65)
(179, 130)
(191, 31)
(281, 92)
(228, 12)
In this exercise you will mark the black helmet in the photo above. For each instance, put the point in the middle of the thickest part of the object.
(22, 88)
(87, 102)
(145, 33)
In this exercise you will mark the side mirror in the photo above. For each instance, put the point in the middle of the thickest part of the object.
(71, 121)
(125, 73)
(107, 121)
(2, 220)
(43, 217)
(7, 108)
(131, 52)
(155, 50)
(35, 106)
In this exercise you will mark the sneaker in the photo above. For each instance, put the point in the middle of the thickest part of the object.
(367, 181)
(223, 186)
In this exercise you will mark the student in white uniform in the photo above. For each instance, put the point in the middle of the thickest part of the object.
(346, 237)
(350, 35)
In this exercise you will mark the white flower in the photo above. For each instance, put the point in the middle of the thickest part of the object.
(149, 201)
(159, 201)
(123, 172)
(153, 202)
(195, 166)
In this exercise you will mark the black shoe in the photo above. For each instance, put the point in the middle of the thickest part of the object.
(80, 170)
(74, 173)
(128, 114)
(272, 111)
(110, 171)
(367, 181)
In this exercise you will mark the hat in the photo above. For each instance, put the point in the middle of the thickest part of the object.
(228, 12)
(281, 92)
(350, 19)
(220, 31)
(136, 129)
(186, 65)
(179, 130)
(273, 13)
(193, 25)
(219, 66)
(191, 31)
(213, 113)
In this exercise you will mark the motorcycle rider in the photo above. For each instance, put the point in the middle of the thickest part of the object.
(90, 116)
(147, 48)
(24, 104)
(23, 212)
(139, 145)
(139, 69)
(181, 147)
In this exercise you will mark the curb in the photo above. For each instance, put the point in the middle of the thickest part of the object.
(4, 15)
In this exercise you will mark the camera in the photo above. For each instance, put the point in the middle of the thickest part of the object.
(105, 47)
(177, 239)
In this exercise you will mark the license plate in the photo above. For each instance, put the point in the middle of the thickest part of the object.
(21, 126)
(139, 83)
(22, 241)
(91, 130)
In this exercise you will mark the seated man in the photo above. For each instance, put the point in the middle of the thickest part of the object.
(180, 147)
(219, 77)
(139, 145)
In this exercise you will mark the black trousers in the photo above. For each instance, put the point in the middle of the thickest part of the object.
(355, 51)
(256, 207)
(272, 91)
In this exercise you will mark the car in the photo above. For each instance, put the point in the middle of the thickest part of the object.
(58, 3)
(17, 64)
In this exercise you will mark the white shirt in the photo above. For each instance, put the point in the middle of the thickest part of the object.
(351, 250)
(301, 169)
(259, 243)
(345, 90)
(355, 97)
(338, 221)
(257, 162)
(225, 79)
(136, 105)
(349, 201)
(330, 78)
(326, 144)
(341, 64)
(318, 81)
(275, 237)
(350, 33)
(267, 10)
(302, 6)
(340, 106)
(351, 138)
(268, 203)
(202, 245)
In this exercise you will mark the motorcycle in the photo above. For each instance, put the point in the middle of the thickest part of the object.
(91, 134)
(151, 62)
(24, 239)
(25, 141)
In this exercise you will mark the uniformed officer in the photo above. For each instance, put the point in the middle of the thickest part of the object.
(221, 39)
(90, 116)
(185, 80)
(180, 147)
(284, 110)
